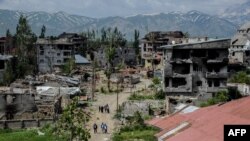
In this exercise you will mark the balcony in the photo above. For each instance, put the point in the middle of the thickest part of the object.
(216, 75)
(181, 89)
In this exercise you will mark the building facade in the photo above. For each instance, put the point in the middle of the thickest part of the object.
(56, 52)
(239, 51)
(192, 69)
(152, 41)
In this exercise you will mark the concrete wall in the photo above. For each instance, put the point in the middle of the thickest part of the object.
(48, 55)
(19, 124)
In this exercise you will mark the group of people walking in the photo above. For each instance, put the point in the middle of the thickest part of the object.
(104, 108)
(104, 128)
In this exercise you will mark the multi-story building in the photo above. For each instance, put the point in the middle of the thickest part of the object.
(56, 52)
(239, 51)
(149, 45)
(195, 69)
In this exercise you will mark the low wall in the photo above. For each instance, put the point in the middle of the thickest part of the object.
(18, 124)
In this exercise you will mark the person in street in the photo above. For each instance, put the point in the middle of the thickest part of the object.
(107, 108)
(105, 128)
(95, 128)
(102, 126)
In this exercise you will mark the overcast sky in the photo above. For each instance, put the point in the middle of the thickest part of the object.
(104, 8)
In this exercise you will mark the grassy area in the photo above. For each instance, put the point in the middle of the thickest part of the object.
(136, 129)
(143, 95)
(24, 135)
(146, 135)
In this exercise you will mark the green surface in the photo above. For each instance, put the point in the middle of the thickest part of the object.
(146, 135)
(25, 135)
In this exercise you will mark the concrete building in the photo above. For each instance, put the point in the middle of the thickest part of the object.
(56, 52)
(195, 69)
(154, 40)
(239, 51)
(124, 55)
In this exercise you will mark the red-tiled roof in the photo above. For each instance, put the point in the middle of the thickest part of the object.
(206, 124)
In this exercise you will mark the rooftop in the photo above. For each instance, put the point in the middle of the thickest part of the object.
(205, 124)
(225, 43)
(81, 60)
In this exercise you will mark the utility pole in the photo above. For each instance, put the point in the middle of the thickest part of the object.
(117, 98)
(93, 80)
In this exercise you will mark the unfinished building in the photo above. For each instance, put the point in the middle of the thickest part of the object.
(152, 41)
(195, 69)
(56, 52)
(239, 51)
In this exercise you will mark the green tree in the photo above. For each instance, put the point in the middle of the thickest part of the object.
(43, 30)
(25, 39)
(114, 39)
(69, 66)
(72, 123)
(136, 44)
(9, 42)
(8, 75)
(240, 77)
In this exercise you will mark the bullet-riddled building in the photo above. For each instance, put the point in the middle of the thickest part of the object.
(56, 52)
(239, 51)
(197, 68)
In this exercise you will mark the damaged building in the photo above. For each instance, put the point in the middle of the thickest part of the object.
(239, 51)
(123, 55)
(152, 41)
(195, 69)
(56, 52)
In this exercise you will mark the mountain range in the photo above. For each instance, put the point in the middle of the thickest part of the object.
(194, 22)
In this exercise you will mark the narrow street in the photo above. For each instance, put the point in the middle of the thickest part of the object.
(98, 117)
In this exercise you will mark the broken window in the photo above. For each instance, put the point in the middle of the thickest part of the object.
(41, 48)
(216, 83)
(58, 54)
(210, 83)
(199, 83)
(179, 82)
(59, 61)
(181, 54)
(181, 68)
(199, 53)
(2, 66)
(213, 54)
(247, 53)
(166, 82)
(66, 53)
(41, 52)
(233, 54)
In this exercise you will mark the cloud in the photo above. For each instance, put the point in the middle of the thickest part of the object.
(104, 8)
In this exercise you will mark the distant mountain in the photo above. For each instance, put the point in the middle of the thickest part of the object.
(238, 14)
(194, 22)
